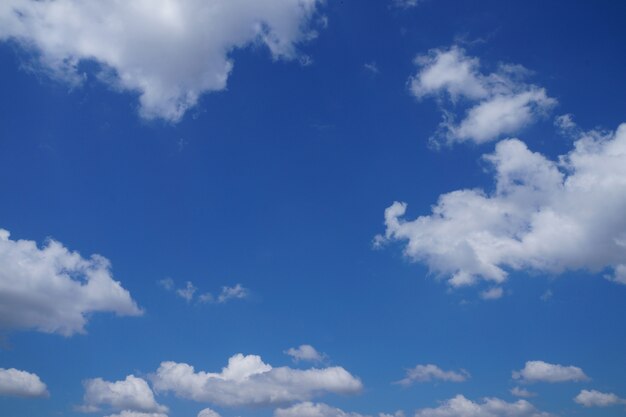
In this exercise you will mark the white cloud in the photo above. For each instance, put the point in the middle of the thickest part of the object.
(460, 406)
(131, 395)
(305, 353)
(539, 371)
(232, 293)
(522, 392)
(544, 215)
(492, 293)
(309, 409)
(247, 381)
(53, 290)
(129, 413)
(18, 383)
(499, 103)
(593, 398)
(207, 412)
(169, 52)
(430, 372)
(187, 292)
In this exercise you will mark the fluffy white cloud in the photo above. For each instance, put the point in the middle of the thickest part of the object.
(543, 215)
(169, 52)
(305, 353)
(593, 398)
(53, 290)
(522, 392)
(539, 371)
(460, 406)
(131, 395)
(500, 103)
(18, 383)
(248, 381)
(207, 412)
(309, 409)
(129, 413)
(425, 373)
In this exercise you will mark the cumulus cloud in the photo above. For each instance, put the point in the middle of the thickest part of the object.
(53, 290)
(498, 103)
(593, 398)
(131, 395)
(460, 406)
(522, 392)
(309, 409)
(248, 381)
(430, 372)
(207, 412)
(543, 215)
(539, 371)
(18, 383)
(168, 52)
(305, 353)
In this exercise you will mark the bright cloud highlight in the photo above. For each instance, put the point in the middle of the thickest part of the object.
(543, 215)
(168, 52)
(53, 290)
(248, 381)
(16, 383)
(501, 103)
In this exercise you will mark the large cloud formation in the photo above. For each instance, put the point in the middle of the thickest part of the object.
(248, 381)
(500, 103)
(168, 51)
(53, 290)
(543, 215)
(14, 382)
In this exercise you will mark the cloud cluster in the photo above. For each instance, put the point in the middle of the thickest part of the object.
(543, 215)
(188, 292)
(305, 353)
(460, 406)
(169, 52)
(53, 290)
(540, 371)
(498, 103)
(429, 372)
(593, 398)
(132, 395)
(18, 383)
(248, 381)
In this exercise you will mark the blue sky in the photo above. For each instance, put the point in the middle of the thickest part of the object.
(386, 208)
